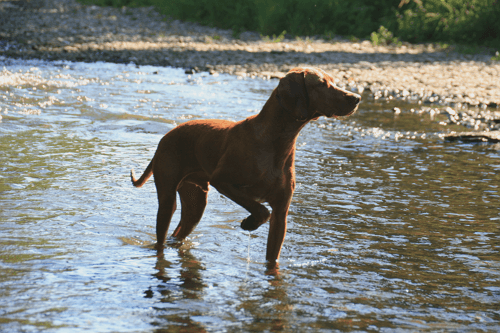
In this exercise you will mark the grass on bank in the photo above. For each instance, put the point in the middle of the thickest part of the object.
(464, 22)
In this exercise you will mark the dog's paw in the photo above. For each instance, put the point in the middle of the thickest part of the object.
(251, 223)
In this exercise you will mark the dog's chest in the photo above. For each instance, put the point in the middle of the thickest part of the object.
(270, 180)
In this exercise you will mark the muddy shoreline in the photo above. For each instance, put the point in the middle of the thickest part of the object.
(67, 30)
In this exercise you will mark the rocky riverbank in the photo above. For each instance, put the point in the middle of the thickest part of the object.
(67, 30)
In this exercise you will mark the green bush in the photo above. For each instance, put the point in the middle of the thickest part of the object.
(455, 21)
(227, 14)
(383, 37)
(298, 17)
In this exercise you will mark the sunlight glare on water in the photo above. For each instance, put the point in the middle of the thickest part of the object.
(390, 228)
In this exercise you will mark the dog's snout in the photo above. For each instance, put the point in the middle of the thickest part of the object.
(354, 98)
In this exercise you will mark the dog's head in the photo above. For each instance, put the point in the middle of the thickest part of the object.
(309, 93)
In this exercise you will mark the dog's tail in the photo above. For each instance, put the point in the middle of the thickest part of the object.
(145, 176)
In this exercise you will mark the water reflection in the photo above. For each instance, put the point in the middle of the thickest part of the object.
(178, 282)
(390, 228)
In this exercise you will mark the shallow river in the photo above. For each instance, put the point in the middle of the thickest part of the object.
(390, 229)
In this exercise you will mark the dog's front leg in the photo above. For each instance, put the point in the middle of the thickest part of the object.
(280, 204)
(258, 212)
(277, 231)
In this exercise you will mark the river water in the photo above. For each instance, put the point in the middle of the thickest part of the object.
(391, 228)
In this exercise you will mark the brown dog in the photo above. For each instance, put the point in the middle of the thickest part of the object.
(250, 161)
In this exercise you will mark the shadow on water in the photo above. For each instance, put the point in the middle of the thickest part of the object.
(390, 228)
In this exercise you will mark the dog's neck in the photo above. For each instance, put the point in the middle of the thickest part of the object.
(276, 124)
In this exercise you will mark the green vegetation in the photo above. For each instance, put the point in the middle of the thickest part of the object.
(383, 37)
(457, 21)
(275, 39)
(472, 22)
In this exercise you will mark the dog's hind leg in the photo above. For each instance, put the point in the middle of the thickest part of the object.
(167, 179)
(193, 203)
(166, 208)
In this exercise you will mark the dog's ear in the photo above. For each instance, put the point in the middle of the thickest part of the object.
(292, 95)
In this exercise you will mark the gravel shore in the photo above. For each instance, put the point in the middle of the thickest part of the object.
(67, 30)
